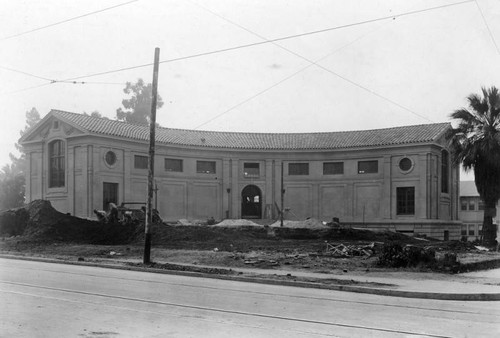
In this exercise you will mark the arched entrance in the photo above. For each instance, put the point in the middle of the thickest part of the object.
(251, 202)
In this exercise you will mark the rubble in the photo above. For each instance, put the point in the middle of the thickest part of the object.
(341, 250)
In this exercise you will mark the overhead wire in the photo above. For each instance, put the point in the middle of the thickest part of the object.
(57, 81)
(73, 79)
(487, 27)
(25, 89)
(67, 20)
(285, 79)
(25, 73)
(315, 63)
(228, 49)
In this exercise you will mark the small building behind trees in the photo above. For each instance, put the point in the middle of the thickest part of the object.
(472, 211)
(399, 178)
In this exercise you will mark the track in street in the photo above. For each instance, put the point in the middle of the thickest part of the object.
(259, 292)
(113, 300)
(219, 310)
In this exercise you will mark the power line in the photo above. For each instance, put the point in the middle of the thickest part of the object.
(56, 81)
(316, 64)
(282, 80)
(25, 89)
(90, 82)
(26, 73)
(487, 27)
(272, 40)
(72, 80)
(67, 20)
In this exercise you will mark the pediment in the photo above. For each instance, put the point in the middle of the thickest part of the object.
(51, 127)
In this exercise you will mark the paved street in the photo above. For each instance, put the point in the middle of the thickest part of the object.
(56, 300)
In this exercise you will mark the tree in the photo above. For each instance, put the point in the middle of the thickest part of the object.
(95, 113)
(138, 106)
(475, 143)
(12, 176)
(12, 187)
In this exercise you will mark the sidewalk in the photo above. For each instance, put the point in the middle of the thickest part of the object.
(460, 287)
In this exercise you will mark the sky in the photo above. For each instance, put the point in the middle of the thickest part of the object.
(249, 66)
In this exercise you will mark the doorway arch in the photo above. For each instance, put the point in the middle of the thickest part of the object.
(251, 202)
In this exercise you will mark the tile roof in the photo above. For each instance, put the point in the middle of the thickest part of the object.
(263, 141)
(468, 188)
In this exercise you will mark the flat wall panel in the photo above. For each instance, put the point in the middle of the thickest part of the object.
(367, 202)
(206, 201)
(333, 202)
(139, 191)
(80, 196)
(78, 158)
(298, 202)
(172, 201)
(445, 211)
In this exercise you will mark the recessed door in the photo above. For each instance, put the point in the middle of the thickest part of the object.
(109, 194)
(251, 202)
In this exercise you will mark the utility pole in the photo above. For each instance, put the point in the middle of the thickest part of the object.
(151, 167)
(156, 195)
(282, 196)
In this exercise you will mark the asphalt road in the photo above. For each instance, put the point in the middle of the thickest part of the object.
(56, 300)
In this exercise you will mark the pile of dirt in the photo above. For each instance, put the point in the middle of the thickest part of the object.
(13, 222)
(39, 221)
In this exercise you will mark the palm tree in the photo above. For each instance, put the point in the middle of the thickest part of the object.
(475, 143)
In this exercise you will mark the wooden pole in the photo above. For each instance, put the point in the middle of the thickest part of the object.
(151, 167)
(282, 196)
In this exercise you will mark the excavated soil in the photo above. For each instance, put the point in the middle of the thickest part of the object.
(38, 229)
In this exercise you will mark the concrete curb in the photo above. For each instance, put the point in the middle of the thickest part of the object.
(262, 280)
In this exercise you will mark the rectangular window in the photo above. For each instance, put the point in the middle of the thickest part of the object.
(367, 167)
(472, 229)
(479, 229)
(463, 231)
(298, 168)
(333, 168)
(251, 169)
(141, 162)
(205, 167)
(172, 164)
(463, 203)
(480, 205)
(56, 164)
(405, 200)
(472, 204)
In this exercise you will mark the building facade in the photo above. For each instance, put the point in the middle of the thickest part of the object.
(397, 178)
(471, 211)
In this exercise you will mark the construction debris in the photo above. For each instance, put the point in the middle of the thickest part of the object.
(341, 250)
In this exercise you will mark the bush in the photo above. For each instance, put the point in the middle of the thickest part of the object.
(396, 256)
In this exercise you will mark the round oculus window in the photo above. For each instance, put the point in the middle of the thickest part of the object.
(110, 158)
(405, 164)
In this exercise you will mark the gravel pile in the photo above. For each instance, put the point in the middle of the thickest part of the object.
(236, 223)
(306, 224)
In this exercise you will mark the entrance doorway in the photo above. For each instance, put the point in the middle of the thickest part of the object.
(109, 194)
(251, 202)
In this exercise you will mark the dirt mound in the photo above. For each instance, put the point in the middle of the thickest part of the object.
(39, 221)
(13, 222)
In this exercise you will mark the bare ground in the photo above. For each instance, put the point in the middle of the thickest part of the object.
(40, 231)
